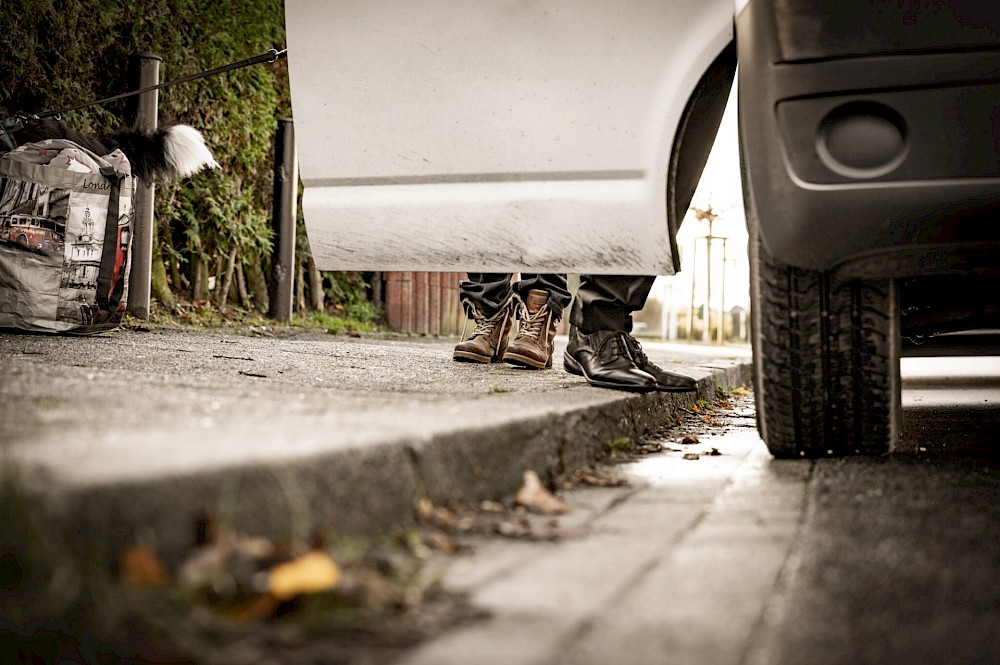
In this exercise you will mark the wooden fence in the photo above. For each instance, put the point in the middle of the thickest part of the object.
(426, 303)
(423, 303)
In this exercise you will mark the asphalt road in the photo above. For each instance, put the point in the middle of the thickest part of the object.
(742, 559)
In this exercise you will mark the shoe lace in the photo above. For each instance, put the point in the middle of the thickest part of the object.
(486, 325)
(532, 325)
(635, 350)
(614, 345)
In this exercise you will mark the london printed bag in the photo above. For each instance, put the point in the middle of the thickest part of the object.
(65, 237)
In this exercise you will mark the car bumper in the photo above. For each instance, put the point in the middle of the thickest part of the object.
(852, 152)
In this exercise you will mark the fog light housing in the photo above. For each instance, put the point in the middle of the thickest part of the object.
(862, 140)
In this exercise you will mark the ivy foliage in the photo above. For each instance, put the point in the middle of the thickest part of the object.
(60, 53)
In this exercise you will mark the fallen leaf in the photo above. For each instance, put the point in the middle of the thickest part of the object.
(204, 568)
(492, 507)
(688, 440)
(140, 567)
(440, 541)
(310, 573)
(601, 481)
(258, 608)
(649, 448)
(741, 391)
(695, 409)
(707, 419)
(714, 452)
(534, 496)
(513, 529)
(692, 456)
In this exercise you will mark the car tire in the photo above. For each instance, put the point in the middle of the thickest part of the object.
(826, 359)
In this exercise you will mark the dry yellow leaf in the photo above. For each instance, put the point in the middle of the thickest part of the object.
(310, 573)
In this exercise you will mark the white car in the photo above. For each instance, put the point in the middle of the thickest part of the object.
(509, 135)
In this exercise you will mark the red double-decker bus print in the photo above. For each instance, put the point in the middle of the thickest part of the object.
(33, 232)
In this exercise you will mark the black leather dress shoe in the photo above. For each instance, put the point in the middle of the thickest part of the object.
(603, 358)
(665, 381)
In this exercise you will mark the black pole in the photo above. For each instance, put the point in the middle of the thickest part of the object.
(286, 186)
(142, 230)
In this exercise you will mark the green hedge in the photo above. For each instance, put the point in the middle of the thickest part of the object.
(61, 53)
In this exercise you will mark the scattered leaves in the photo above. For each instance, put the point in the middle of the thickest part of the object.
(534, 496)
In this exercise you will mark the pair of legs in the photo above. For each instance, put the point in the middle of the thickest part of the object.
(536, 302)
(601, 347)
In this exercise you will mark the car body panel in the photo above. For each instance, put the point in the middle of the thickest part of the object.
(494, 136)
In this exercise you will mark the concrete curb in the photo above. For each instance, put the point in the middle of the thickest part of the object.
(351, 460)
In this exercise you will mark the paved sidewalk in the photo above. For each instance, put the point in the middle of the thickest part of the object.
(132, 433)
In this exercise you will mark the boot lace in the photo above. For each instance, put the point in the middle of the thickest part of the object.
(486, 326)
(532, 325)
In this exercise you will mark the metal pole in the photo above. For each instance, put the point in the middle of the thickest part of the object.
(286, 189)
(694, 263)
(706, 333)
(722, 296)
(143, 229)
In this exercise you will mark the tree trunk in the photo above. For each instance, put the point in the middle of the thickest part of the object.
(241, 286)
(227, 279)
(300, 286)
(199, 279)
(315, 286)
(376, 287)
(158, 281)
(258, 285)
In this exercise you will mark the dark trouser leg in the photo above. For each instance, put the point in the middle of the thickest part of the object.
(555, 285)
(490, 289)
(606, 302)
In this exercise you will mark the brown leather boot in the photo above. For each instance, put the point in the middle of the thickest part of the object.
(489, 337)
(532, 347)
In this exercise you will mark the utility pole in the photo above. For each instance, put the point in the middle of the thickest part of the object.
(707, 215)
(722, 296)
(694, 273)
